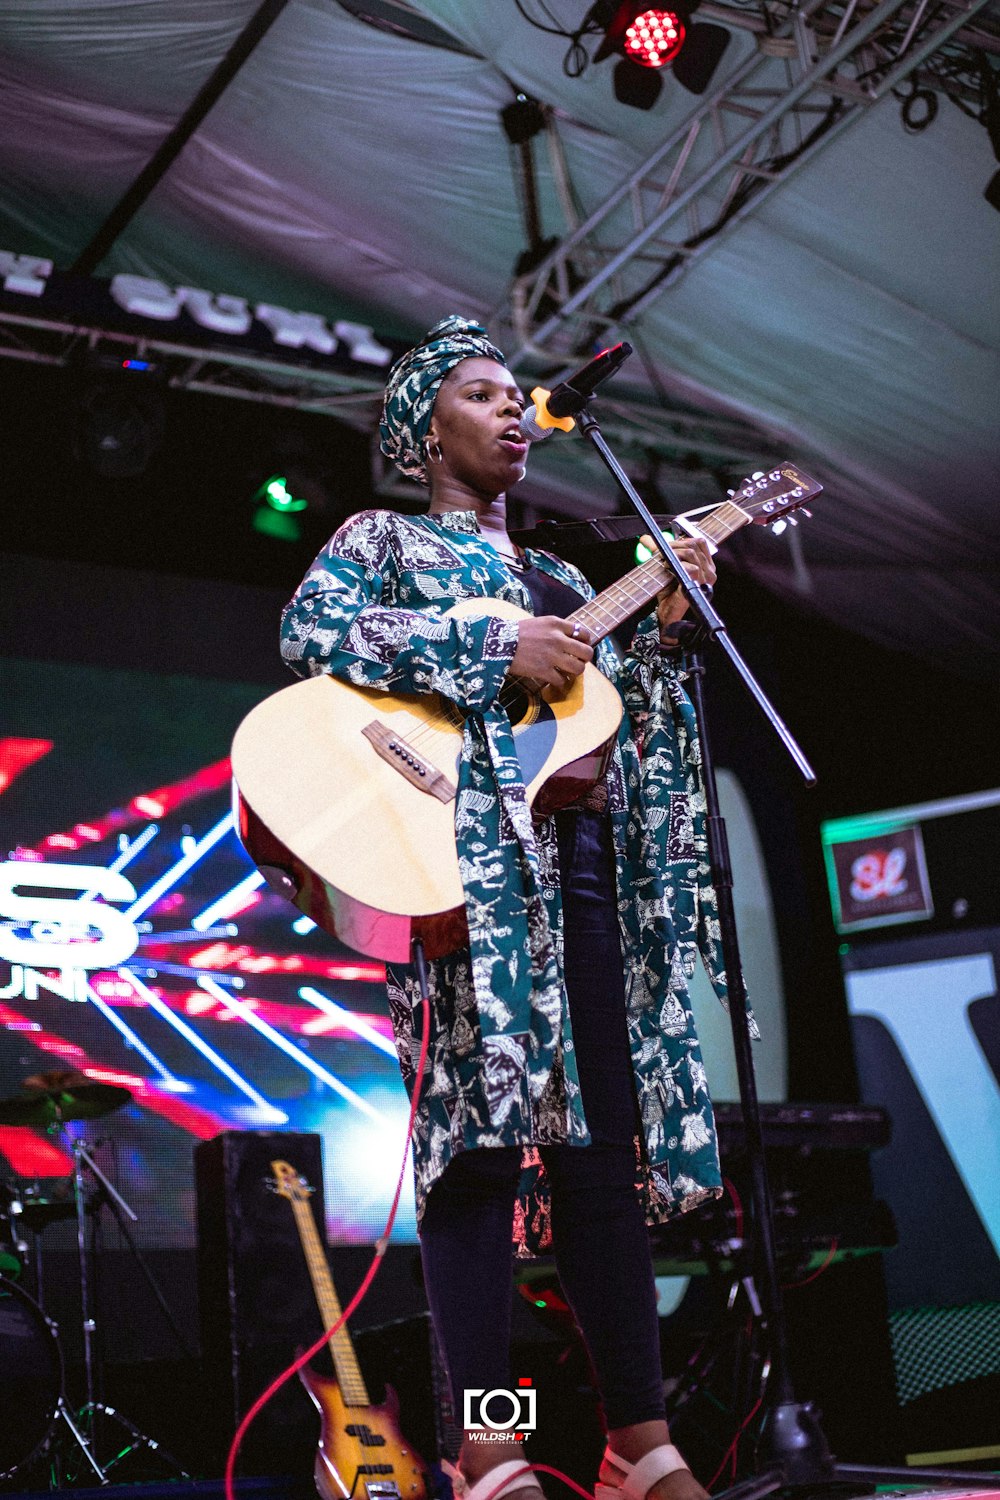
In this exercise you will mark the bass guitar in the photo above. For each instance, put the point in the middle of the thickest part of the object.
(345, 795)
(362, 1452)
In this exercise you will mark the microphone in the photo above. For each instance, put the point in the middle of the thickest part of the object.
(537, 421)
(569, 396)
(556, 408)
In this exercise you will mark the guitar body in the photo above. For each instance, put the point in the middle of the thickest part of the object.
(361, 1449)
(346, 796)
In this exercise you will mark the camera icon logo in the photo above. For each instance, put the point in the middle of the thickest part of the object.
(501, 1410)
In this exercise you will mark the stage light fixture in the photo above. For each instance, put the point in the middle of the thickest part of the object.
(279, 496)
(636, 85)
(649, 39)
(654, 37)
(276, 508)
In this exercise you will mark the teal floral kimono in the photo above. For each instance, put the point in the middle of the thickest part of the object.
(501, 1068)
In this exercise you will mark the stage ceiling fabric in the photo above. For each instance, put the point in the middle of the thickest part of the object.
(803, 272)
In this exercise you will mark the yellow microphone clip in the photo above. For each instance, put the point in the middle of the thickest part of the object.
(543, 417)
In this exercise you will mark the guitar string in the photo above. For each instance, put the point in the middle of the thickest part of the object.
(439, 725)
(345, 1360)
(621, 601)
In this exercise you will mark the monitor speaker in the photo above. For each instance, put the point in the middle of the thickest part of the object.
(256, 1301)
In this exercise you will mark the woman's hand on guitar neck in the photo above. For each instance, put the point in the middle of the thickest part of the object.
(550, 651)
(671, 603)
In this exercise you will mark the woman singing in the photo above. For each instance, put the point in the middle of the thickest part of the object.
(564, 1104)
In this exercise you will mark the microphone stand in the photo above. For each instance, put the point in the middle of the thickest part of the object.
(94, 1407)
(792, 1448)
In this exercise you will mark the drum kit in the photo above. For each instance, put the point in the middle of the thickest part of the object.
(38, 1421)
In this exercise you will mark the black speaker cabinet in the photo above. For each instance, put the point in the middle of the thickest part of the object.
(405, 1355)
(256, 1301)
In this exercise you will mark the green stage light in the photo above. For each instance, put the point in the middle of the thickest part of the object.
(642, 552)
(276, 508)
(279, 497)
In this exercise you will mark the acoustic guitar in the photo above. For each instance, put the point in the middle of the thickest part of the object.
(362, 1452)
(345, 795)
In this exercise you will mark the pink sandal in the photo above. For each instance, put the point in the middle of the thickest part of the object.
(636, 1480)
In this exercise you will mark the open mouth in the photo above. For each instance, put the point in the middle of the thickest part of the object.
(513, 440)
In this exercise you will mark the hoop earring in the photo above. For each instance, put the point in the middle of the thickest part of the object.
(430, 445)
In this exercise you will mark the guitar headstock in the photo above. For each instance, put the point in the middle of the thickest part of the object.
(288, 1183)
(769, 497)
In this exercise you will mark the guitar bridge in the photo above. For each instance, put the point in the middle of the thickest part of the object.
(398, 752)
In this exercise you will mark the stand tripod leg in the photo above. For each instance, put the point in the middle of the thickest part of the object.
(139, 1440)
(83, 1443)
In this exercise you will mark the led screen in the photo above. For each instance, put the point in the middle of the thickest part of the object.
(139, 947)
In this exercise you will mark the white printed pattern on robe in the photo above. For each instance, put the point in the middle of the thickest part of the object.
(501, 1067)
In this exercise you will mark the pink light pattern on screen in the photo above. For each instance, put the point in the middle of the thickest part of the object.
(192, 952)
(146, 805)
(17, 753)
(247, 960)
(33, 1155)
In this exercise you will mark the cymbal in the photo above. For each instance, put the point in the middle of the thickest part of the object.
(80, 1101)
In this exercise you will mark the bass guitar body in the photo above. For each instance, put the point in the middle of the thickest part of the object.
(346, 795)
(362, 1452)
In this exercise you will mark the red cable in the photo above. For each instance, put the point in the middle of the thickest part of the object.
(731, 1450)
(790, 1286)
(730, 1188)
(540, 1469)
(381, 1243)
(360, 1294)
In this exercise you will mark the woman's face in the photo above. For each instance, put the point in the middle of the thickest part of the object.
(475, 424)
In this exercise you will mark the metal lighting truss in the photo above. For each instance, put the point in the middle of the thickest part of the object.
(353, 397)
(723, 442)
(814, 69)
(817, 71)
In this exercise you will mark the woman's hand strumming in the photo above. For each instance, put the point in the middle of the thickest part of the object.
(548, 651)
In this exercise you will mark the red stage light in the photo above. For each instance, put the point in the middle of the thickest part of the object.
(654, 38)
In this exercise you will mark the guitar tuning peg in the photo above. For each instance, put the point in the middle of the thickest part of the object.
(759, 474)
(777, 527)
(730, 493)
(807, 512)
(793, 520)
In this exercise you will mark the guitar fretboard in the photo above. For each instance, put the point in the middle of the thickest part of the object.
(345, 1362)
(637, 588)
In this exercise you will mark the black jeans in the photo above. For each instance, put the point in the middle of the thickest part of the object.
(598, 1228)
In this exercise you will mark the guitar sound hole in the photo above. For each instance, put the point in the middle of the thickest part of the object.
(519, 703)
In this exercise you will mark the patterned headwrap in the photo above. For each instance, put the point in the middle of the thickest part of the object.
(414, 382)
